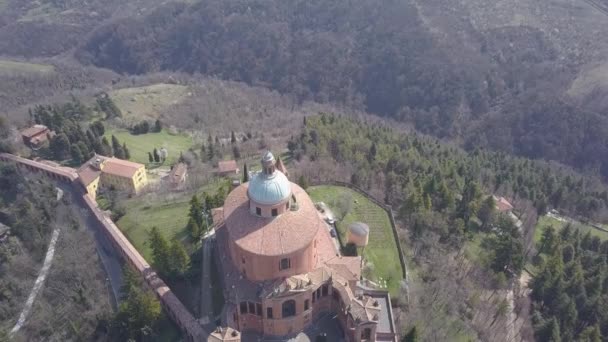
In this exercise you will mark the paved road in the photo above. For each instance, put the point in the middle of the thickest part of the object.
(206, 313)
(44, 271)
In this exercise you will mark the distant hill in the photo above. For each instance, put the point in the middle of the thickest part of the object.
(448, 69)
(518, 76)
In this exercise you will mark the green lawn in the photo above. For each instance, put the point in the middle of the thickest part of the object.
(545, 221)
(170, 215)
(140, 145)
(9, 67)
(382, 249)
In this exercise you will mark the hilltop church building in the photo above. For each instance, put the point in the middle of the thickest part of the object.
(282, 270)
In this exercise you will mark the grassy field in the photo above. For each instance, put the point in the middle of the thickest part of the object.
(167, 212)
(382, 249)
(148, 102)
(140, 145)
(12, 67)
(545, 221)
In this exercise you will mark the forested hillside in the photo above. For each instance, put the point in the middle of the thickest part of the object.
(503, 87)
(571, 288)
(415, 167)
(441, 194)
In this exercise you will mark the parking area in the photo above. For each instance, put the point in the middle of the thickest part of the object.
(330, 223)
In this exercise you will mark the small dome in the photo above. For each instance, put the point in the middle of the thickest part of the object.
(269, 189)
(359, 229)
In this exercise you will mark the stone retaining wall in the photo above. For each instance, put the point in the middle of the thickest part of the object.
(173, 306)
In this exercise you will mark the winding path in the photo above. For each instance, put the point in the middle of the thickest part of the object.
(44, 271)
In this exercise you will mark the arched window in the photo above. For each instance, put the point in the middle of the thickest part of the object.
(284, 264)
(366, 334)
(289, 308)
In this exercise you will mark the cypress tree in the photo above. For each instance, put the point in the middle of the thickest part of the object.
(106, 149)
(196, 210)
(125, 150)
(180, 262)
(160, 251)
(245, 174)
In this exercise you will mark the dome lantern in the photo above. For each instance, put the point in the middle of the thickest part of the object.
(269, 187)
(268, 163)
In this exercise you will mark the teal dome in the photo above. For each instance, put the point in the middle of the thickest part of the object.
(269, 189)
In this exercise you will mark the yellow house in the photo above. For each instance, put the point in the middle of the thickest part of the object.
(113, 173)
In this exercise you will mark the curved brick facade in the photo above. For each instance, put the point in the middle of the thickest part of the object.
(264, 247)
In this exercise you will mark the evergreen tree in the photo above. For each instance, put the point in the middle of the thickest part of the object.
(411, 336)
(106, 149)
(117, 148)
(156, 155)
(194, 229)
(548, 240)
(98, 128)
(84, 150)
(180, 262)
(76, 154)
(115, 143)
(196, 210)
(160, 251)
(127, 153)
(150, 157)
(245, 174)
(130, 281)
(552, 331)
(468, 206)
(236, 152)
(60, 146)
(591, 334)
(487, 212)
(303, 182)
(158, 126)
(508, 254)
(371, 156)
(232, 138)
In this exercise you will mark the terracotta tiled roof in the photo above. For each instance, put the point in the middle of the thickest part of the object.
(226, 166)
(33, 131)
(113, 166)
(503, 205)
(178, 172)
(225, 334)
(284, 234)
(121, 168)
(348, 268)
(88, 174)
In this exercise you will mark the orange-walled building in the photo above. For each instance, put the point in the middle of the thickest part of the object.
(282, 271)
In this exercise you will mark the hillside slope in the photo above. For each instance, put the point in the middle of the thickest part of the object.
(467, 70)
